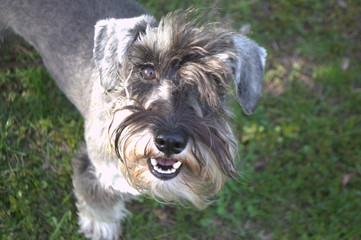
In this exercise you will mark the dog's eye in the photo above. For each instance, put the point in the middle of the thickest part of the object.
(148, 73)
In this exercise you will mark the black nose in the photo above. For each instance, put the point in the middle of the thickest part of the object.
(171, 142)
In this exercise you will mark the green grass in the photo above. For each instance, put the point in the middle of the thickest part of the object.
(295, 153)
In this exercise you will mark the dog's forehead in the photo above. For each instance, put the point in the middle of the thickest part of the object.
(186, 54)
(157, 38)
(189, 67)
(175, 38)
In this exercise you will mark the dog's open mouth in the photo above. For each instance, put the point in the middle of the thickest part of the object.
(164, 168)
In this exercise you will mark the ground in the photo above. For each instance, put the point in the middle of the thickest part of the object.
(299, 154)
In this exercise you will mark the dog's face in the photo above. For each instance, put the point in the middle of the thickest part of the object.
(169, 85)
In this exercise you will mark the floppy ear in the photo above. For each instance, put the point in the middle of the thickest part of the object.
(247, 63)
(112, 37)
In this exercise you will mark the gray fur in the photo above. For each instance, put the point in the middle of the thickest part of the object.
(249, 67)
(50, 26)
(112, 39)
(99, 53)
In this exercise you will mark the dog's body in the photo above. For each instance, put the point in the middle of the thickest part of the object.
(152, 94)
(50, 26)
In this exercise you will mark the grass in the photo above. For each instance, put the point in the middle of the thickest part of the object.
(300, 153)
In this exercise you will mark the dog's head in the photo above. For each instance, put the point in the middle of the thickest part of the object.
(169, 83)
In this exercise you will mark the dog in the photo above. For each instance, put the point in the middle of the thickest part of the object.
(153, 95)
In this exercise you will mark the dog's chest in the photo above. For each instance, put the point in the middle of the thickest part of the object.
(111, 177)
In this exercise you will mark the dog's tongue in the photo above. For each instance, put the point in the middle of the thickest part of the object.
(166, 161)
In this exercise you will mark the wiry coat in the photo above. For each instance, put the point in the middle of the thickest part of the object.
(136, 80)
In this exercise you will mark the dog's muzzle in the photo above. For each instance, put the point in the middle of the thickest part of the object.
(169, 143)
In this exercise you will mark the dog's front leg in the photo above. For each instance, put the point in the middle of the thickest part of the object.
(100, 208)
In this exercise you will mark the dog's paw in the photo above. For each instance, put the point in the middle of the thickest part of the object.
(98, 230)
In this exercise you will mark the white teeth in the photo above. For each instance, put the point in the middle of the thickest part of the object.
(177, 165)
(168, 171)
(153, 162)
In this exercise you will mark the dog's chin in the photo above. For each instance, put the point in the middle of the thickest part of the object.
(164, 168)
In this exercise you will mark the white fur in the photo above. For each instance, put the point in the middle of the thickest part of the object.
(111, 177)
(160, 35)
(262, 55)
(99, 224)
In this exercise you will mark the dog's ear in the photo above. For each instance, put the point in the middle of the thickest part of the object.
(247, 62)
(112, 38)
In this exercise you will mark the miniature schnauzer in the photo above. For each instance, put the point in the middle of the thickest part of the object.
(153, 96)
